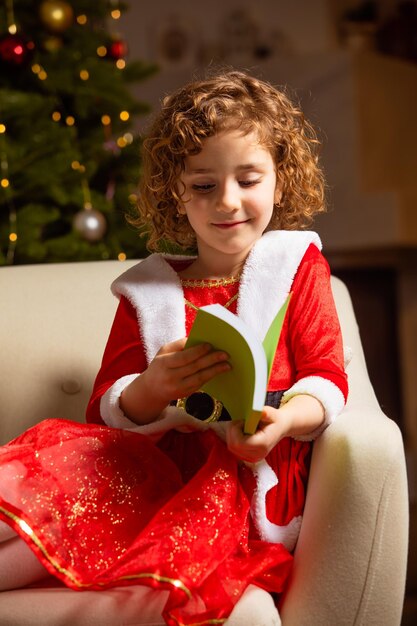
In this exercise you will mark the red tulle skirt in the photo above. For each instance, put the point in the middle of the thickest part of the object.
(103, 507)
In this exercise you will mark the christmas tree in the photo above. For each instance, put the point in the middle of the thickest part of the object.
(69, 154)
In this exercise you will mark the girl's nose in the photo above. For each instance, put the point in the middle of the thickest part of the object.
(229, 198)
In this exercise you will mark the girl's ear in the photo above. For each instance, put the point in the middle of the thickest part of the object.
(181, 209)
(278, 194)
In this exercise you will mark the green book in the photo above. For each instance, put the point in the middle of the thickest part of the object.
(242, 390)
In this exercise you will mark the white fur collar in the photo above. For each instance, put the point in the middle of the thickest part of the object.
(155, 291)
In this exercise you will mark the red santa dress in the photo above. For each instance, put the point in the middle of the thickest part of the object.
(109, 502)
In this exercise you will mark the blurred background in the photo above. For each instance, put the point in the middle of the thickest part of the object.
(79, 81)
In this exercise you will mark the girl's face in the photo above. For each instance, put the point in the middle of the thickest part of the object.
(230, 191)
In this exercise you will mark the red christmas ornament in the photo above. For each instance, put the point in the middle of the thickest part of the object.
(117, 49)
(15, 50)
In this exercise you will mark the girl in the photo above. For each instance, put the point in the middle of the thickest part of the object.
(148, 493)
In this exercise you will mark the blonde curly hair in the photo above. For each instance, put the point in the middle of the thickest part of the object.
(226, 101)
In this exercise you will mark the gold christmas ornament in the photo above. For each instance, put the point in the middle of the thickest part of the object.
(56, 15)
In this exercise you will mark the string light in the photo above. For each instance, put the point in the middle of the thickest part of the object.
(120, 64)
(115, 14)
(121, 256)
(12, 28)
(124, 140)
(84, 75)
(81, 19)
(70, 120)
(124, 116)
(102, 51)
(56, 116)
(87, 195)
(39, 71)
(106, 120)
(5, 186)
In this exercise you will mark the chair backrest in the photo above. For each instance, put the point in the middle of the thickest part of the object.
(54, 322)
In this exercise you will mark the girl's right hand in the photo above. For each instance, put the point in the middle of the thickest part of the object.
(173, 373)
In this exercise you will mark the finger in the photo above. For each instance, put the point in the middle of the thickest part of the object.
(195, 381)
(180, 358)
(182, 379)
(268, 414)
(249, 448)
(203, 363)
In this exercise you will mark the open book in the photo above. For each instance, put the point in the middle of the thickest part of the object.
(242, 390)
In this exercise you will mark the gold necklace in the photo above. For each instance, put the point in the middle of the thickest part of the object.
(210, 282)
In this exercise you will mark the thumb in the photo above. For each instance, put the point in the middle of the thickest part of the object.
(174, 346)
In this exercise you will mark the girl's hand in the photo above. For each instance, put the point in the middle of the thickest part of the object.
(253, 448)
(171, 418)
(173, 373)
(301, 415)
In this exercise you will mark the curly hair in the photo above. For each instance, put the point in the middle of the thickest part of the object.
(226, 101)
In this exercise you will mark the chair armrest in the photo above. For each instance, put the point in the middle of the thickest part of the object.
(351, 558)
(350, 561)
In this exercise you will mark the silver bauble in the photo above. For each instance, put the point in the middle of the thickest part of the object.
(90, 224)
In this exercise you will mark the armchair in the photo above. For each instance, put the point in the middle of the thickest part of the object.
(350, 561)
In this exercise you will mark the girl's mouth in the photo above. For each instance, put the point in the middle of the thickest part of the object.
(226, 225)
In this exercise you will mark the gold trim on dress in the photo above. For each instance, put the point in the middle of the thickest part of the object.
(207, 621)
(24, 526)
(175, 582)
(210, 282)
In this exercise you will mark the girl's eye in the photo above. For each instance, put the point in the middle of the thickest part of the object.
(204, 188)
(249, 183)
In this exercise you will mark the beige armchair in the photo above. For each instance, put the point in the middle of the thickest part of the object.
(350, 561)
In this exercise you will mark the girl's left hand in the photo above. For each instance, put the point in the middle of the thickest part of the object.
(253, 448)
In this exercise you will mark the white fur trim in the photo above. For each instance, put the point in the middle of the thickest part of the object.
(266, 479)
(155, 291)
(268, 275)
(110, 410)
(326, 392)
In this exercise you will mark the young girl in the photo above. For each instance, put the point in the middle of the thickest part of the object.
(148, 493)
